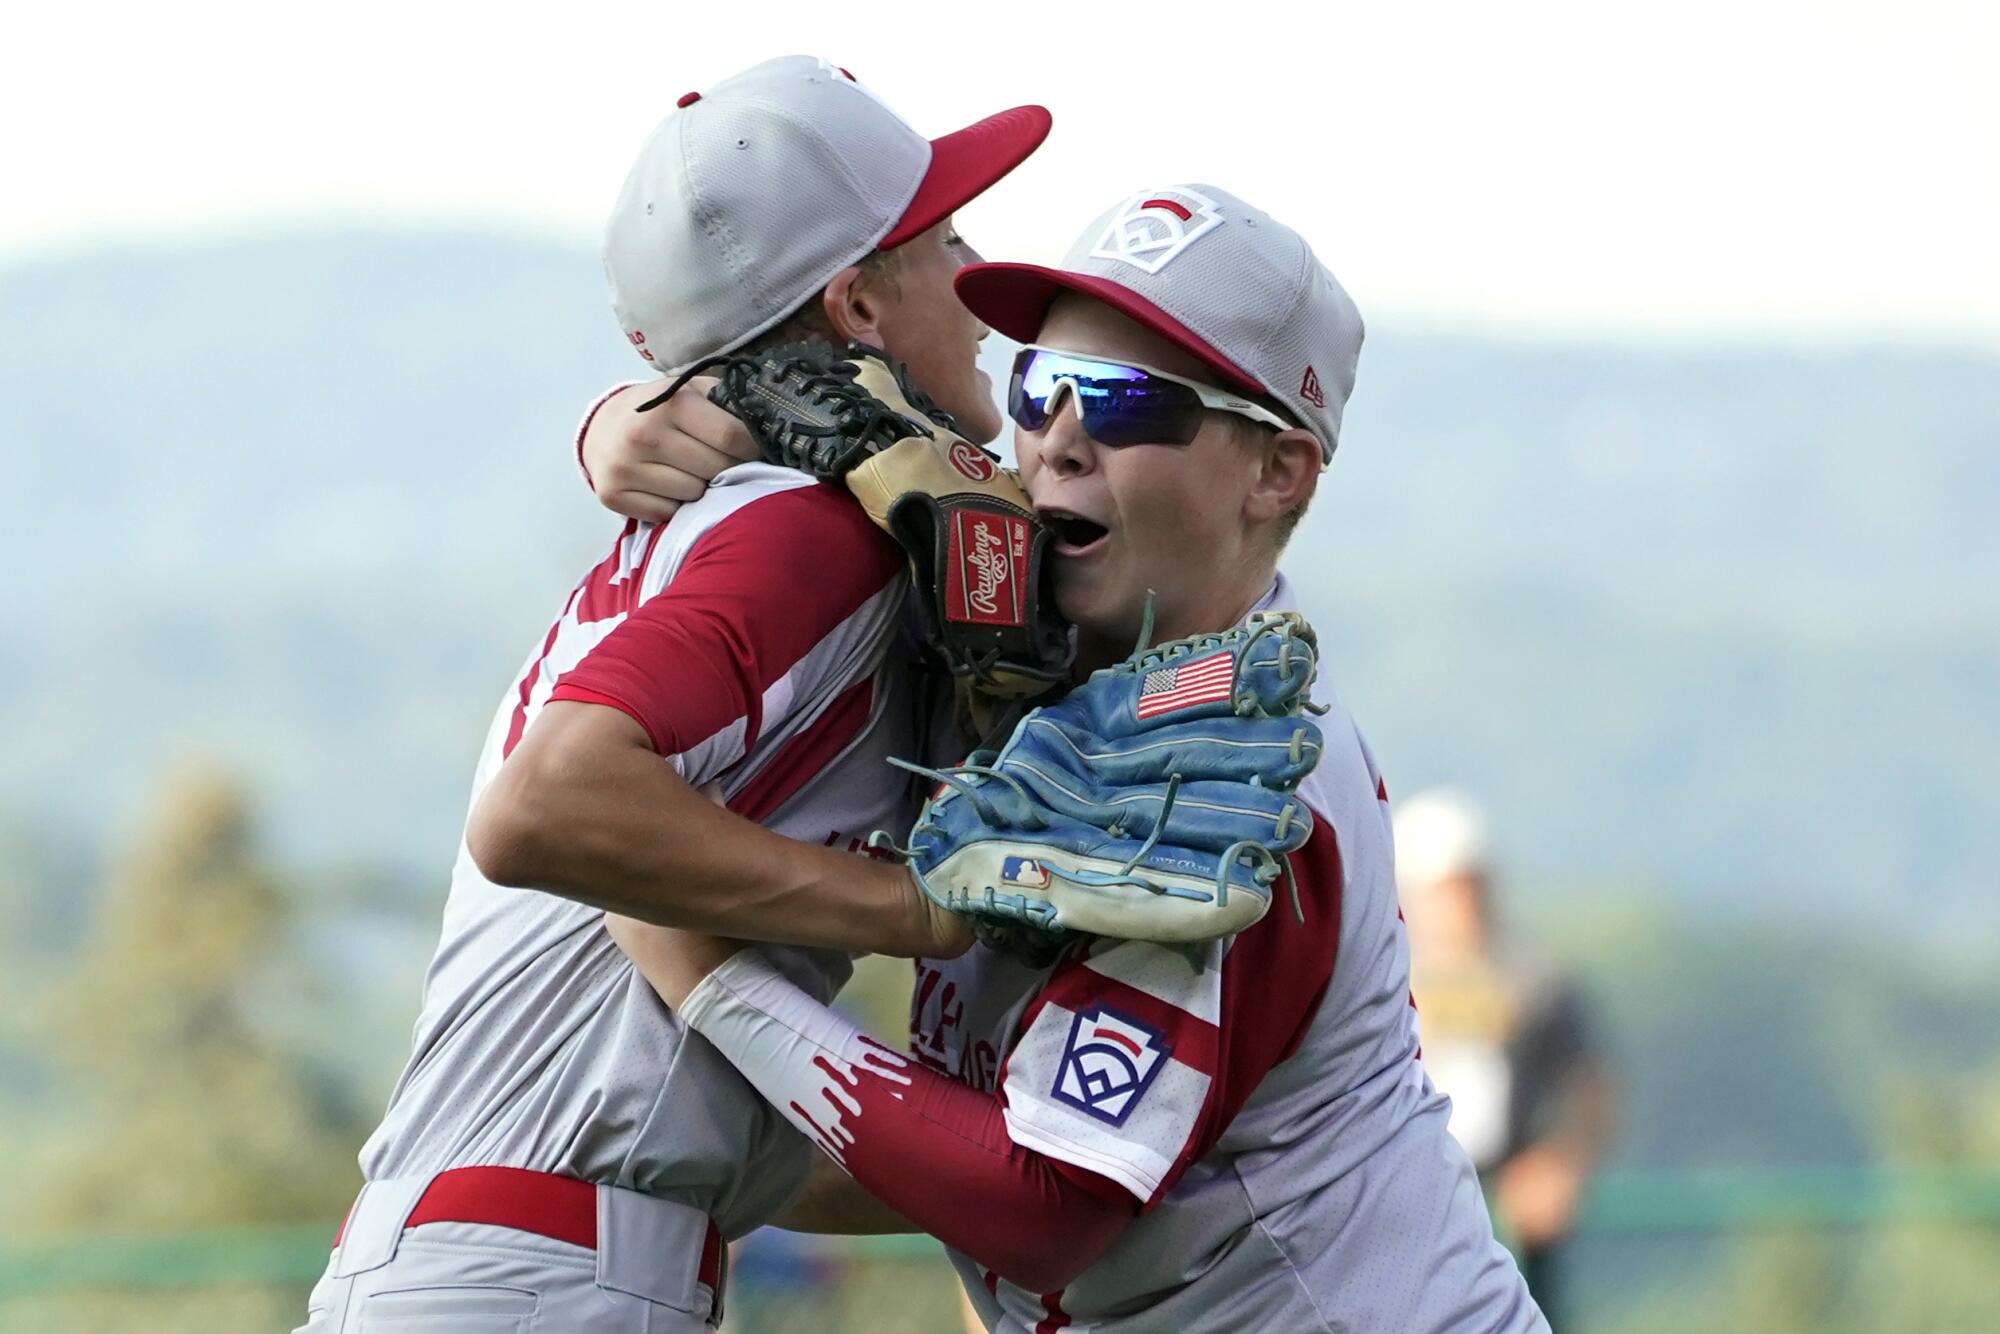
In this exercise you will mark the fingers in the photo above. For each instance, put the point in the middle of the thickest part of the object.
(645, 465)
(638, 505)
(712, 425)
(696, 455)
(664, 481)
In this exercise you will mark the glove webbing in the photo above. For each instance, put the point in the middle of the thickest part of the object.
(877, 426)
(1268, 867)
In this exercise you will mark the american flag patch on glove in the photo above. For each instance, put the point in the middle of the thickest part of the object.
(1199, 682)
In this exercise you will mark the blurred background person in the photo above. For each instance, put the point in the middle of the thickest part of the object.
(1505, 1034)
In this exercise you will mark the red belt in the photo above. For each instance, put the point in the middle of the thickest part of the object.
(562, 1208)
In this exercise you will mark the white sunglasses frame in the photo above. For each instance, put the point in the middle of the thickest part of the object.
(1219, 399)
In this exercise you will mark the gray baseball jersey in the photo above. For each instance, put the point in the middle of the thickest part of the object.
(1269, 1111)
(539, 1046)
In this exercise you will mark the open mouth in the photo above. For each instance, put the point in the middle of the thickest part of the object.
(1073, 533)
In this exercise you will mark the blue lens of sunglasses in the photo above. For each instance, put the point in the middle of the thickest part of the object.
(1118, 405)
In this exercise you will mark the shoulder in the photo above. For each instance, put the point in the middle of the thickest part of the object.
(777, 518)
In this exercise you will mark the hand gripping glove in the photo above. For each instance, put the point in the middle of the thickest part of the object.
(1153, 802)
(978, 555)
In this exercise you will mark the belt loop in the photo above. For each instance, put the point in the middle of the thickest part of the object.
(714, 1271)
(652, 1248)
(375, 1225)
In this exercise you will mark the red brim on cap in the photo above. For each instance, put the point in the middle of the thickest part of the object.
(965, 164)
(1015, 299)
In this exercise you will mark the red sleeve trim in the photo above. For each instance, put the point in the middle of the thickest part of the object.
(580, 695)
(1274, 978)
(1075, 984)
(751, 599)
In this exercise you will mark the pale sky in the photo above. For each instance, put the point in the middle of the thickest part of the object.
(1699, 169)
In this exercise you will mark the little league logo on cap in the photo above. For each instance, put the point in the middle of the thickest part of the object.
(833, 71)
(1156, 225)
(1213, 275)
(1108, 1063)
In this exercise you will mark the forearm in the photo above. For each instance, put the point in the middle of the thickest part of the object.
(925, 1145)
(586, 809)
(835, 1203)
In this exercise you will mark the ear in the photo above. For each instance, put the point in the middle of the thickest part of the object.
(853, 307)
(1288, 475)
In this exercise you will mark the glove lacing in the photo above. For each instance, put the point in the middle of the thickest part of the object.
(1265, 867)
(1245, 705)
(860, 424)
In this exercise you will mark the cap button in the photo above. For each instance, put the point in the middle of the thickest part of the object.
(688, 99)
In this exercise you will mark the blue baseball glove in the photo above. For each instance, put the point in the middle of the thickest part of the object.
(1153, 802)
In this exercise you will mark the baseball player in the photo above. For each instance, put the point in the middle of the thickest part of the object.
(1507, 1036)
(1126, 1139)
(556, 1155)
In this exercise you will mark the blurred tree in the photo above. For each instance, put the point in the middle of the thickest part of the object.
(186, 1116)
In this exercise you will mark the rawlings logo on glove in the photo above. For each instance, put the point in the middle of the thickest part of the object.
(977, 554)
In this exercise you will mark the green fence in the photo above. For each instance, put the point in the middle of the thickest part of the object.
(1667, 1250)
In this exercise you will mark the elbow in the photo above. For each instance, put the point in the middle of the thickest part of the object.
(1046, 1270)
(1057, 1257)
(1049, 1273)
(507, 843)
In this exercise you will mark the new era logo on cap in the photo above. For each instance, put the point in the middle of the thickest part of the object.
(1310, 391)
(1156, 225)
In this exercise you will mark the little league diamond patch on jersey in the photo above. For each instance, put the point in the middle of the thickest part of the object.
(1108, 1063)
(1202, 681)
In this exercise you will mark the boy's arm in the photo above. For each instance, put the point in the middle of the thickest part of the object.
(646, 465)
(773, 621)
(586, 808)
(930, 1149)
(833, 1202)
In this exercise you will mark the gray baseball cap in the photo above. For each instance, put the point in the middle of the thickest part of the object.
(753, 194)
(1224, 281)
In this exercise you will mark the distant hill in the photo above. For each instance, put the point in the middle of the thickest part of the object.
(1725, 623)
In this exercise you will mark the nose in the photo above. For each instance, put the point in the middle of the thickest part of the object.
(1065, 447)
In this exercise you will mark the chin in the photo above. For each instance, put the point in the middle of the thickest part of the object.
(1096, 613)
(980, 423)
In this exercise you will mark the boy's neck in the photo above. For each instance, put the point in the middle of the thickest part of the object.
(1214, 615)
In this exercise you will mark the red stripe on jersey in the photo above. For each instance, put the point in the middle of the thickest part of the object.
(1273, 980)
(612, 588)
(1057, 1318)
(606, 591)
(1075, 986)
(753, 597)
(519, 723)
(801, 759)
